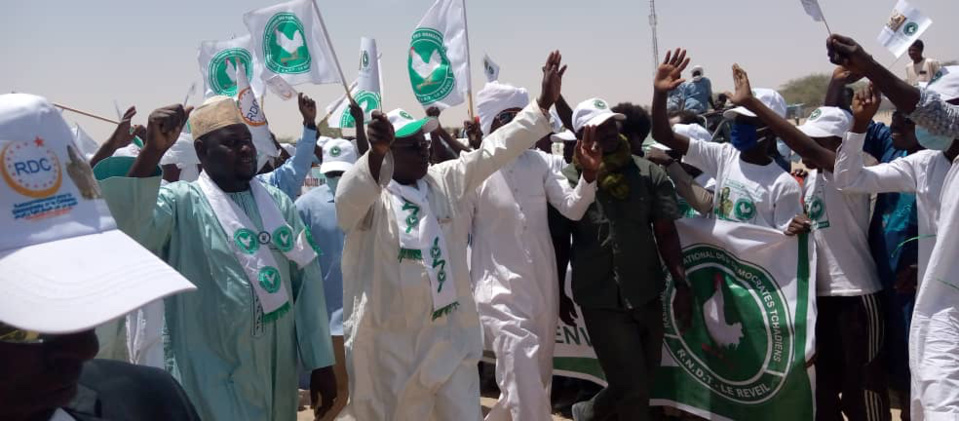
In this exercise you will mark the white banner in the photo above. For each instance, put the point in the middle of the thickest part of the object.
(439, 56)
(86, 145)
(255, 119)
(289, 39)
(490, 68)
(218, 66)
(906, 24)
(366, 91)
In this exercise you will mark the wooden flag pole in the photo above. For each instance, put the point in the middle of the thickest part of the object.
(469, 69)
(333, 52)
(84, 113)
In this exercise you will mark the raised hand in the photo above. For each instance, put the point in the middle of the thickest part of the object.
(433, 111)
(164, 126)
(846, 52)
(670, 72)
(473, 133)
(124, 133)
(588, 154)
(380, 133)
(358, 114)
(307, 110)
(865, 105)
(744, 92)
(846, 76)
(553, 73)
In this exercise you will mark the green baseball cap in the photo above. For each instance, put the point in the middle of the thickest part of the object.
(404, 125)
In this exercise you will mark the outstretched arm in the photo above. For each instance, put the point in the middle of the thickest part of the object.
(668, 77)
(795, 139)
(846, 52)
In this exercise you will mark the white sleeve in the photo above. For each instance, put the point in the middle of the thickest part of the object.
(851, 175)
(463, 175)
(787, 202)
(707, 156)
(569, 201)
(358, 191)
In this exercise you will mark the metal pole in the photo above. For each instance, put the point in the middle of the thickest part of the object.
(469, 69)
(652, 25)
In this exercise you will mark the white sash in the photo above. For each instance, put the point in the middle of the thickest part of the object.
(422, 242)
(252, 248)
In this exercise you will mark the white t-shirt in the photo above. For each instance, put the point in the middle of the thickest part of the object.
(922, 173)
(841, 229)
(763, 195)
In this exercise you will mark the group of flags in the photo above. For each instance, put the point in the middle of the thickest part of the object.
(906, 24)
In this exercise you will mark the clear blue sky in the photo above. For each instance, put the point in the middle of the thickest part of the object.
(88, 53)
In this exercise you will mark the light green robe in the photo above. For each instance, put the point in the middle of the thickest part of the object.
(232, 365)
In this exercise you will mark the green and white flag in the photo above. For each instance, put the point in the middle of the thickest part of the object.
(439, 56)
(746, 355)
(366, 91)
(218, 66)
(490, 68)
(255, 119)
(290, 40)
(906, 24)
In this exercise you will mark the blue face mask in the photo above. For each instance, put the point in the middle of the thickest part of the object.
(931, 141)
(333, 182)
(743, 136)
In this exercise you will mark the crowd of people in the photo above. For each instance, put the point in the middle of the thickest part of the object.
(372, 271)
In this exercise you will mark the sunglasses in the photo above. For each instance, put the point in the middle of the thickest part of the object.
(12, 335)
(426, 143)
(505, 117)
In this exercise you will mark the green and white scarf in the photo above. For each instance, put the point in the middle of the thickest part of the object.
(252, 248)
(422, 242)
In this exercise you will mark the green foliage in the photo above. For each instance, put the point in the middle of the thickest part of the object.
(809, 90)
(950, 63)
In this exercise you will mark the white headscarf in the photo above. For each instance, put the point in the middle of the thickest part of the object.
(702, 73)
(495, 98)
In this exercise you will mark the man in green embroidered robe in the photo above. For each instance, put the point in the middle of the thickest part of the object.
(235, 342)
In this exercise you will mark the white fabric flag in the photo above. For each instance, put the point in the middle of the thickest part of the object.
(87, 146)
(490, 68)
(255, 119)
(812, 9)
(906, 24)
(289, 39)
(366, 93)
(218, 66)
(439, 56)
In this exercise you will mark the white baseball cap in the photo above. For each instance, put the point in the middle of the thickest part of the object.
(827, 122)
(593, 112)
(564, 136)
(405, 125)
(768, 97)
(693, 131)
(64, 265)
(322, 140)
(338, 155)
(946, 83)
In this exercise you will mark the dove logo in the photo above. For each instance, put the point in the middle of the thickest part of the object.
(911, 28)
(744, 210)
(283, 238)
(368, 101)
(815, 114)
(365, 60)
(222, 70)
(269, 278)
(430, 71)
(600, 105)
(246, 241)
(284, 45)
(31, 168)
(816, 210)
(740, 343)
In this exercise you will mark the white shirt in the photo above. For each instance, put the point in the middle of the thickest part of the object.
(397, 357)
(763, 195)
(921, 173)
(840, 227)
(922, 71)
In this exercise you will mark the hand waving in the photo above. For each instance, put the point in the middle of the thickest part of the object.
(865, 105)
(553, 73)
(307, 109)
(846, 52)
(164, 126)
(744, 92)
(589, 154)
(670, 72)
(380, 133)
(124, 133)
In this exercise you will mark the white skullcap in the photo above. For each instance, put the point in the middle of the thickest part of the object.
(495, 98)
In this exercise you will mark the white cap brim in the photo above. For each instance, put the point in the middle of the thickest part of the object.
(566, 136)
(601, 118)
(78, 283)
(334, 166)
(813, 131)
(731, 113)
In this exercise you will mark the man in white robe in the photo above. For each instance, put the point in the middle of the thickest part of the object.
(413, 339)
(513, 262)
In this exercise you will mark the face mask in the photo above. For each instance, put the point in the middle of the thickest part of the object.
(697, 78)
(333, 182)
(931, 141)
(743, 136)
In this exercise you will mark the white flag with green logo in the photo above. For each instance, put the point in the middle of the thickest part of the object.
(289, 39)
(218, 66)
(747, 354)
(905, 25)
(366, 91)
(439, 56)
(255, 119)
(490, 68)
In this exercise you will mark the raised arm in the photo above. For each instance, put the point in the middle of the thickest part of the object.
(121, 137)
(359, 116)
(841, 77)
(565, 112)
(668, 77)
(796, 140)
(846, 52)
(361, 185)
(573, 202)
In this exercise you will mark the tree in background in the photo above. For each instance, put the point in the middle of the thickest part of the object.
(808, 90)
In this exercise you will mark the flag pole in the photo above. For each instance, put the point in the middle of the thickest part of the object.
(84, 113)
(332, 51)
(379, 75)
(469, 69)
(824, 21)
